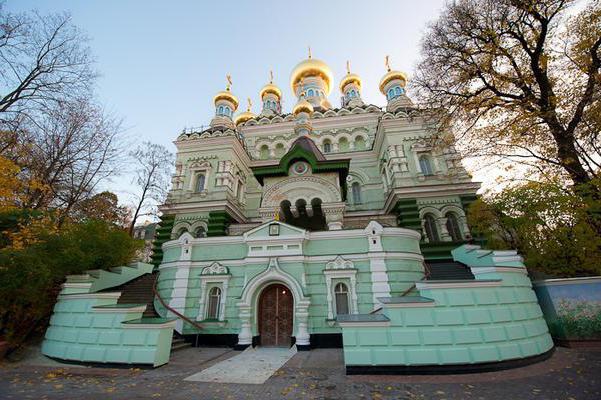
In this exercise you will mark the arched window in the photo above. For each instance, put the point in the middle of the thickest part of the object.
(180, 232)
(264, 152)
(310, 93)
(356, 191)
(453, 227)
(200, 182)
(327, 147)
(359, 143)
(280, 150)
(397, 91)
(425, 165)
(213, 303)
(342, 298)
(343, 144)
(200, 232)
(220, 110)
(390, 93)
(431, 229)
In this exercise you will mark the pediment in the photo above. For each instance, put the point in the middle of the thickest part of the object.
(262, 232)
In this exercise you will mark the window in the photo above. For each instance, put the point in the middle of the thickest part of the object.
(359, 143)
(356, 191)
(214, 303)
(200, 232)
(425, 165)
(431, 230)
(180, 232)
(390, 93)
(200, 182)
(453, 227)
(343, 144)
(341, 295)
(310, 93)
(279, 150)
(327, 147)
(220, 110)
(264, 152)
(397, 91)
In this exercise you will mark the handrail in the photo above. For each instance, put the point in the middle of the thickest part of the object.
(156, 293)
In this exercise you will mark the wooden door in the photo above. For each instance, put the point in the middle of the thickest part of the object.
(275, 316)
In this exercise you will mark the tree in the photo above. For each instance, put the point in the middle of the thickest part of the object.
(44, 60)
(154, 163)
(31, 275)
(519, 80)
(69, 150)
(547, 224)
(103, 206)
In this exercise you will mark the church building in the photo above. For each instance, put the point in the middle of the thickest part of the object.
(336, 226)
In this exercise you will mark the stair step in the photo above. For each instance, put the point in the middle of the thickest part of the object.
(179, 346)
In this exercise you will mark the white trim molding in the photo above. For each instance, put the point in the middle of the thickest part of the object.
(339, 268)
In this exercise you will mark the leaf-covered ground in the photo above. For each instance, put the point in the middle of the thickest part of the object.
(318, 374)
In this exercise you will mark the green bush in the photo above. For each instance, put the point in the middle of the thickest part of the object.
(30, 277)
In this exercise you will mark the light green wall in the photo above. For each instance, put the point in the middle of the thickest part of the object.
(467, 325)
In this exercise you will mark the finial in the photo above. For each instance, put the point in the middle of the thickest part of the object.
(250, 104)
(348, 67)
(387, 62)
(270, 76)
(229, 82)
(310, 56)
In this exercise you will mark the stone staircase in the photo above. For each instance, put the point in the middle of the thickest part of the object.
(448, 270)
(139, 291)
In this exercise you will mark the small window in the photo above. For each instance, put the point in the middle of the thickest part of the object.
(342, 297)
(397, 91)
(310, 93)
(220, 110)
(356, 191)
(390, 93)
(431, 229)
(200, 182)
(425, 165)
(453, 227)
(180, 232)
(327, 147)
(214, 302)
(264, 152)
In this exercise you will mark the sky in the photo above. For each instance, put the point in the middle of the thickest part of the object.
(161, 62)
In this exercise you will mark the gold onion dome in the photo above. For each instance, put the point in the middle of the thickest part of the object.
(244, 116)
(311, 67)
(390, 76)
(302, 106)
(227, 94)
(350, 78)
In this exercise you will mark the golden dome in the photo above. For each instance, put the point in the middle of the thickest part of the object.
(270, 88)
(390, 76)
(243, 117)
(311, 67)
(246, 115)
(302, 106)
(226, 95)
(350, 78)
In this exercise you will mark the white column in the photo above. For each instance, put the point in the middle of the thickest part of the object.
(245, 337)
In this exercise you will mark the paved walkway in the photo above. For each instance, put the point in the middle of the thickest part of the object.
(317, 374)
(252, 366)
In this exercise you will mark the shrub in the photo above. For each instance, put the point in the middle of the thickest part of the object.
(30, 275)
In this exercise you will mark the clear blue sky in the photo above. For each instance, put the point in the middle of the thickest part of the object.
(162, 61)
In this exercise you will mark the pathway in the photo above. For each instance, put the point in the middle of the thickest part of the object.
(253, 365)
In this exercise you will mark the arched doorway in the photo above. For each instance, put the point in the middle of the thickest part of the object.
(275, 316)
